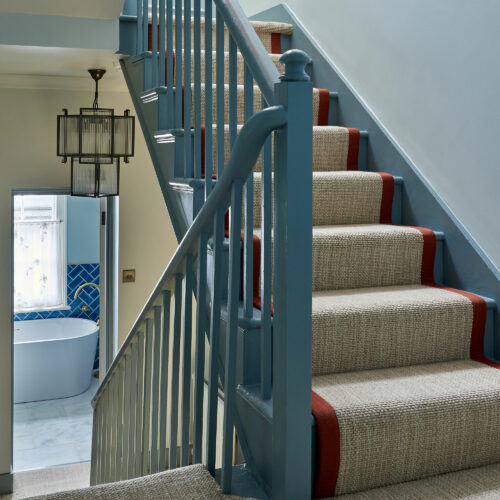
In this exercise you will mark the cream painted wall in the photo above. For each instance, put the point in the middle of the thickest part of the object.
(28, 160)
(429, 72)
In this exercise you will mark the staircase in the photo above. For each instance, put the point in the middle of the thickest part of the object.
(251, 164)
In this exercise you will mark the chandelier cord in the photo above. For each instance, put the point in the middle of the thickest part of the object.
(96, 95)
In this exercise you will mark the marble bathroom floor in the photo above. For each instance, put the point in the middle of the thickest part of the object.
(53, 432)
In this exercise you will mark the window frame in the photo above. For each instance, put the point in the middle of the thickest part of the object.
(61, 214)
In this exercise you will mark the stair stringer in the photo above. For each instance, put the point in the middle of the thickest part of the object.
(465, 265)
(162, 155)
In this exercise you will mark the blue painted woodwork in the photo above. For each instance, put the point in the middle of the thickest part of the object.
(203, 247)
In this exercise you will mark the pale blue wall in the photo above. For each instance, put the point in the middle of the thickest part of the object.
(82, 230)
(429, 71)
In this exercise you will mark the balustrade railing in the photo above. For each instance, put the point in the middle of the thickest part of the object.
(157, 407)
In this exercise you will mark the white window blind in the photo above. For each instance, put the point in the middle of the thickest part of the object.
(39, 252)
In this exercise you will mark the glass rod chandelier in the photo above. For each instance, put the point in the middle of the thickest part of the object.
(95, 140)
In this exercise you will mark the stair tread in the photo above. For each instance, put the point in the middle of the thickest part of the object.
(381, 327)
(366, 255)
(401, 424)
(472, 484)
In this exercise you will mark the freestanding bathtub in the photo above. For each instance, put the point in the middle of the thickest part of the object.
(53, 358)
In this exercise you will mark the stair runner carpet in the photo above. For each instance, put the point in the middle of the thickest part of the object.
(403, 395)
(186, 483)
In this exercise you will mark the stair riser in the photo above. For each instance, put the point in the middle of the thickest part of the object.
(345, 262)
(338, 199)
(336, 158)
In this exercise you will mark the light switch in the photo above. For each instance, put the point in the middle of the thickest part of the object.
(128, 276)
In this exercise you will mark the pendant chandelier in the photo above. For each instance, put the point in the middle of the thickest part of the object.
(95, 140)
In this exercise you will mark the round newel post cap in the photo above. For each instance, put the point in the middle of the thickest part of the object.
(295, 62)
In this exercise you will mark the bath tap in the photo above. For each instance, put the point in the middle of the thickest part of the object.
(86, 308)
(81, 287)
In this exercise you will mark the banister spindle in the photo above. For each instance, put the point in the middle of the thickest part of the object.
(208, 99)
(174, 390)
(133, 447)
(94, 451)
(197, 89)
(146, 419)
(114, 405)
(127, 381)
(101, 446)
(213, 368)
(199, 374)
(119, 421)
(266, 270)
(220, 89)
(169, 111)
(292, 291)
(231, 335)
(145, 26)
(178, 65)
(233, 91)
(107, 430)
(248, 287)
(155, 388)
(165, 350)
(154, 43)
(188, 142)
(186, 361)
(139, 446)
(139, 40)
(161, 45)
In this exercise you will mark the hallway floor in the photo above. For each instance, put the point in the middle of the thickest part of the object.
(53, 432)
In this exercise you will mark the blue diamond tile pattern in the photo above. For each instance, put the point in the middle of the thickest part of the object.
(77, 274)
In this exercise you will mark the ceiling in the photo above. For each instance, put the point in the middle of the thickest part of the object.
(29, 66)
(101, 9)
(52, 67)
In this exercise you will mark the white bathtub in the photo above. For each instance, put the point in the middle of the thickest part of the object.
(53, 358)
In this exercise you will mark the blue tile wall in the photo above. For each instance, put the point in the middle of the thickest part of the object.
(78, 274)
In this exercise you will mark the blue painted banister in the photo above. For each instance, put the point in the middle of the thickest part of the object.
(245, 152)
(154, 383)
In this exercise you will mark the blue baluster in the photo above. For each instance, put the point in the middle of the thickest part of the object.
(199, 382)
(220, 88)
(208, 98)
(231, 336)
(174, 390)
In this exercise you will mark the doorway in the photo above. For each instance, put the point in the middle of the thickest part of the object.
(61, 277)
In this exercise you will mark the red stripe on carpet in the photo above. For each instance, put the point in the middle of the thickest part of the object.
(327, 447)
(173, 69)
(479, 313)
(324, 107)
(353, 151)
(387, 197)
(275, 43)
(150, 38)
(428, 255)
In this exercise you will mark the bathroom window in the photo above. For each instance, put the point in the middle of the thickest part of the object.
(39, 252)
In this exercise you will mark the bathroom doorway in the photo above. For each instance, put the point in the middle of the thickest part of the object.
(60, 279)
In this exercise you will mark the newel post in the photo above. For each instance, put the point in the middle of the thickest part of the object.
(292, 377)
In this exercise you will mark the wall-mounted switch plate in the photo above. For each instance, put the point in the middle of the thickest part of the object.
(128, 276)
